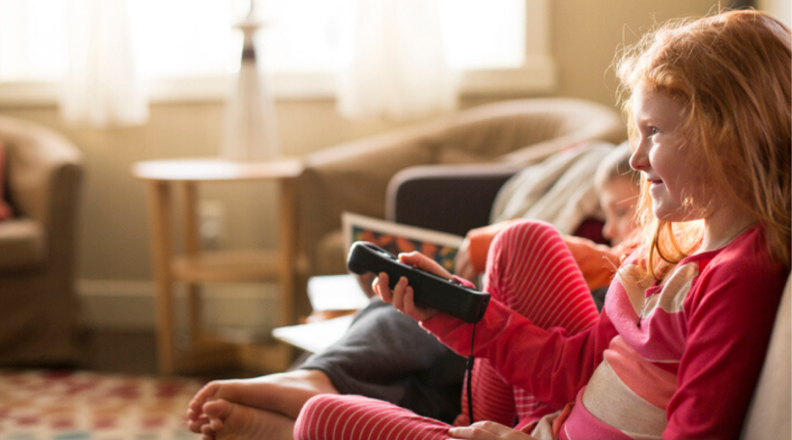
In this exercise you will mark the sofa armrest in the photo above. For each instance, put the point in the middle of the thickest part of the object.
(448, 198)
(45, 173)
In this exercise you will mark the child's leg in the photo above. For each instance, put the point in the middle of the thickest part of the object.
(498, 406)
(350, 417)
(530, 269)
(380, 356)
(386, 355)
(543, 270)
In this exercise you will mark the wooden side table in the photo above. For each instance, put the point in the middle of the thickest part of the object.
(195, 266)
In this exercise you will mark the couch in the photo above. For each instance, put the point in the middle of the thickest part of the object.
(463, 196)
(506, 135)
(770, 414)
(38, 306)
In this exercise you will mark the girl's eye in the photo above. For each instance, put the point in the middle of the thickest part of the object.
(653, 130)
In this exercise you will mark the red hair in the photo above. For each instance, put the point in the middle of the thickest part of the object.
(733, 74)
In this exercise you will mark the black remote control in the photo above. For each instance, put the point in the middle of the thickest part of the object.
(445, 295)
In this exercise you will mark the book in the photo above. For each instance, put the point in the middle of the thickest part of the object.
(396, 238)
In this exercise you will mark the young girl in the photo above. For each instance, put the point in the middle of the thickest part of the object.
(679, 346)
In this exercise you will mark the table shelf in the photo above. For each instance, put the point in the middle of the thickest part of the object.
(228, 266)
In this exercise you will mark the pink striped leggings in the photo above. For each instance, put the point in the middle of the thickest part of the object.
(530, 269)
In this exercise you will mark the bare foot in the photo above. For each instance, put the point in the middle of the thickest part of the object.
(283, 393)
(228, 421)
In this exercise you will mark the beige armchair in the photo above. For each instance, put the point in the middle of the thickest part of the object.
(354, 177)
(38, 305)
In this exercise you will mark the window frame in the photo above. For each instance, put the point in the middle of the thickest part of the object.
(538, 75)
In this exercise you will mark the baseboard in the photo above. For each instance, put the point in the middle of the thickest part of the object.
(129, 305)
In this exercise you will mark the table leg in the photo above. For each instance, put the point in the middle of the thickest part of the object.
(162, 247)
(288, 250)
(192, 249)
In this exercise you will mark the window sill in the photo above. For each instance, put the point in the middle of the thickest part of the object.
(538, 76)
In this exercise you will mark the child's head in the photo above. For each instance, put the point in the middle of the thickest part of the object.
(726, 80)
(617, 185)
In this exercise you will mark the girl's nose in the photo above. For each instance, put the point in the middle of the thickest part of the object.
(639, 160)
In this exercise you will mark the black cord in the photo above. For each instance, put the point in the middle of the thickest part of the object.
(470, 376)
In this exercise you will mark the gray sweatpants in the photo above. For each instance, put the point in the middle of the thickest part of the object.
(386, 355)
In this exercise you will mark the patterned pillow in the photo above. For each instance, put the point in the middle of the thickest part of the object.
(5, 208)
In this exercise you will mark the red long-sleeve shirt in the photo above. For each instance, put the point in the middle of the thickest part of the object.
(676, 361)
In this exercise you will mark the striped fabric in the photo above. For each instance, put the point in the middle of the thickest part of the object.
(677, 360)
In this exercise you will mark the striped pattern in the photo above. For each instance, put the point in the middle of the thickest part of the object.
(611, 400)
(629, 392)
(530, 270)
(334, 417)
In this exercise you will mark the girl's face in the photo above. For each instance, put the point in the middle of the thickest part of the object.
(662, 155)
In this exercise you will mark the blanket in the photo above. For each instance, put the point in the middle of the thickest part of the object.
(559, 190)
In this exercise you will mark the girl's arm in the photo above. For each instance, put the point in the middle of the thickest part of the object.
(729, 328)
(550, 363)
(597, 262)
(553, 365)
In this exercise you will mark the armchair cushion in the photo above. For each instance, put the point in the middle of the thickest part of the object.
(22, 244)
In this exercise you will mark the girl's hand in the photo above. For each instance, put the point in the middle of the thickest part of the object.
(462, 264)
(487, 431)
(402, 297)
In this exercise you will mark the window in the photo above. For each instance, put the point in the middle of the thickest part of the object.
(187, 48)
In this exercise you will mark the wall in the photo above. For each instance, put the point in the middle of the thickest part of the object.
(587, 34)
(114, 244)
(780, 8)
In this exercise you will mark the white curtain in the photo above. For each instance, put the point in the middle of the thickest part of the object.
(396, 62)
(101, 87)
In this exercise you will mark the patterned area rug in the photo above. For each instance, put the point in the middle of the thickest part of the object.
(58, 405)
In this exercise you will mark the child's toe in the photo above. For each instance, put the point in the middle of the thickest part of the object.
(218, 409)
